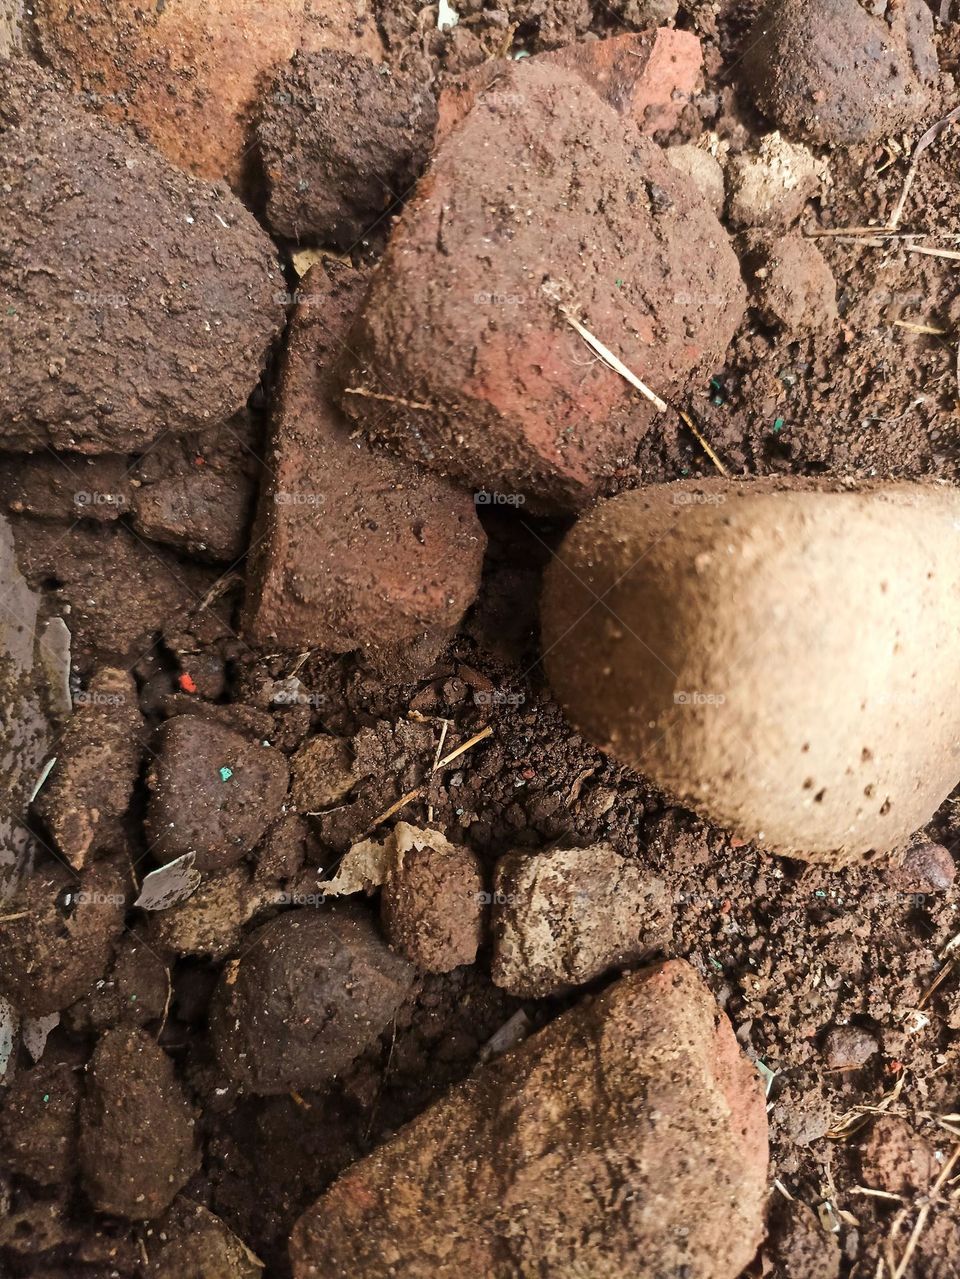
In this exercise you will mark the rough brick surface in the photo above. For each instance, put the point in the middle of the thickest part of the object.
(629, 1136)
(355, 548)
(539, 200)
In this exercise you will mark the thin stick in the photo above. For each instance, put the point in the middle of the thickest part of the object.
(613, 362)
(952, 254)
(468, 745)
(394, 808)
(929, 137)
(415, 794)
(923, 1215)
(918, 328)
(703, 443)
(389, 399)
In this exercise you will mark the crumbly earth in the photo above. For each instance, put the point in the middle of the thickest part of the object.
(812, 967)
(161, 301)
(329, 179)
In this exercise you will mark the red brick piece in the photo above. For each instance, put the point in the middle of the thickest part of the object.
(629, 1137)
(355, 548)
(541, 204)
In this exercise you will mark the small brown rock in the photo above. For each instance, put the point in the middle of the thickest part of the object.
(640, 1094)
(342, 139)
(562, 918)
(431, 902)
(209, 922)
(58, 934)
(103, 355)
(311, 991)
(98, 762)
(841, 74)
(895, 1158)
(137, 1146)
(924, 868)
(322, 773)
(206, 514)
(213, 792)
(485, 374)
(355, 549)
(848, 1047)
(793, 285)
(133, 991)
(194, 1244)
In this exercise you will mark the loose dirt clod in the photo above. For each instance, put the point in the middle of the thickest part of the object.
(98, 762)
(57, 934)
(342, 140)
(563, 917)
(132, 295)
(642, 1092)
(322, 773)
(213, 792)
(312, 991)
(210, 920)
(132, 992)
(770, 186)
(844, 73)
(458, 317)
(356, 549)
(431, 902)
(194, 1244)
(695, 669)
(895, 1158)
(189, 76)
(793, 287)
(137, 1141)
(38, 1122)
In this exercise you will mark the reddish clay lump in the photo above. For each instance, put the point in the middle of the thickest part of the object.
(342, 139)
(159, 303)
(355, 548)
(213, 792)
(643, 1092)
(188, 76)
(310, 992)
(461, 358)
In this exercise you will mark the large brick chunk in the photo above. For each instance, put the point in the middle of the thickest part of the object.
(354, 548)
(628, 1137)
(543, 203)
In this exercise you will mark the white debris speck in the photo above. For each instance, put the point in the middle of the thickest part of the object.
(447, 16)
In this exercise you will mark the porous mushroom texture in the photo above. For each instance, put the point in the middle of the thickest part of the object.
(188, 75)
(627, 1138)
(768, 652)
(841, 71)
(542, 199)
(135, 298)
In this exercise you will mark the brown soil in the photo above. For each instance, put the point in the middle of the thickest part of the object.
(842, 984)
